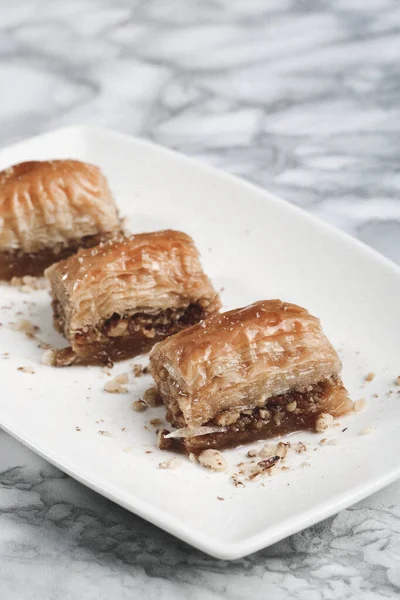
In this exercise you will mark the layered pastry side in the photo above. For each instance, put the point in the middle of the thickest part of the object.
(116, 300)
(49, 209)
(248, 374)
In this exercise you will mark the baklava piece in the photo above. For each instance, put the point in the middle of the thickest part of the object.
(248, 374)
(116, 300)
(49, 209)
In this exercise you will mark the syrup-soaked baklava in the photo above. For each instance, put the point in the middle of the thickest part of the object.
(248, 374)
(116, 300)
(49, 209)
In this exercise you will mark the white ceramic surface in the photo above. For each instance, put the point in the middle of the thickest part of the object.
(253, 246)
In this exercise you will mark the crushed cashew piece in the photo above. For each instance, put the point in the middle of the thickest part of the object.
(370, 376)
(212, 459)
(397, 380)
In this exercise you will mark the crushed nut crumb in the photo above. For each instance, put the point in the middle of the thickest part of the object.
(267, 450)
(138, 370)
(78, 429)
(367, 430)
(220, 498)
(370, 376)
(26, 370)
(152, 397)
(397, 380)
(172, 463)
(26, 327)
(282, 449)
(58, 358)
(28, 284)
(300, 448)
(236, 481)
(359, 405)
(139, 406)
(105, 433)
(212, 459)
(162, 441)
(323, 422)
(155, 422)
(116, 385)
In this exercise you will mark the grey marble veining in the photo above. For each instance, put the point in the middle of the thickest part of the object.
(298, 96)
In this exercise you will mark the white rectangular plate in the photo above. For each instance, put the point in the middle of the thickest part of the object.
(255, 246)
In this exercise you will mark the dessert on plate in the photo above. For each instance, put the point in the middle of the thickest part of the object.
(49, 209)
(117, 299)
(247, 374)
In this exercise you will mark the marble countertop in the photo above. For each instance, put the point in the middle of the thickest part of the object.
(298, 96)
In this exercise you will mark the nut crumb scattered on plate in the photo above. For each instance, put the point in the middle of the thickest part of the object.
(212, 459)
(26, 327)
(360, 404)
(26, 370)
(323, 422)
(152, 397)
(139, 406)
(367, 430)
(172, 463)
(138, 370)
(28, 284)
(117, 384)
(104, 433)
(370, 376)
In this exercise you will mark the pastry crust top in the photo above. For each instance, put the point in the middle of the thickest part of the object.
(147, 273)
(44, 203)
(241, 358)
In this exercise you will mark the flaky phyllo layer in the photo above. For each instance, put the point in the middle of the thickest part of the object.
(241, 360)
(46, 204)
(133, 289)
